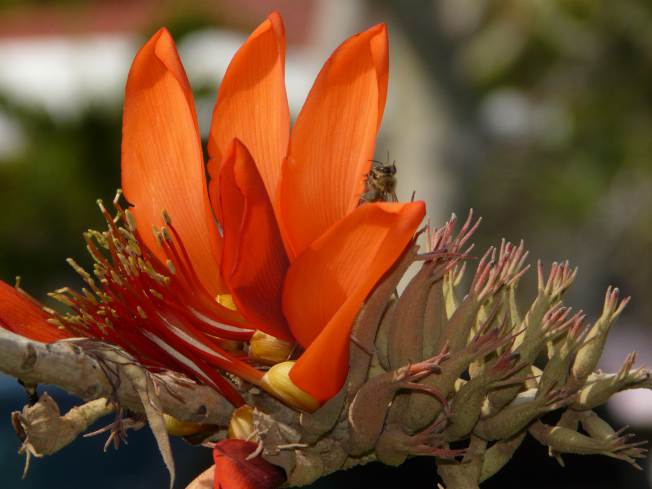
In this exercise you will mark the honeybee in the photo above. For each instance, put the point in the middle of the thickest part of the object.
(381, 182)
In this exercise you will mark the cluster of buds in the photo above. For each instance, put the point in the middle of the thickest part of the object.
(451, 367)
(445, 365)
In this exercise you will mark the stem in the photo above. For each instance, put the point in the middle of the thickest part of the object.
(456, 475)
(93, 370)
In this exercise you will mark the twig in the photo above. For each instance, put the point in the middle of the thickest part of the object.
(80, 373)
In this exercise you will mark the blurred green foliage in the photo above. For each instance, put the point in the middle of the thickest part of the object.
(584, 190)
(554, 98)
(48, 190)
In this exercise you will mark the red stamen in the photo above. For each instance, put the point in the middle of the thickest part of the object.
(164, 318)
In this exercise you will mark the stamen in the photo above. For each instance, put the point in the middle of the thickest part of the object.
(158, 311)
(226, 300)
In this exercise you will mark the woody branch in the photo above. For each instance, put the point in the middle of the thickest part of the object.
(96, 371)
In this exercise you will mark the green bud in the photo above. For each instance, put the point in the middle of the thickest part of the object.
(590, 353)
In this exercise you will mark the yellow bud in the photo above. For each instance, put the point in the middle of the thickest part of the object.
(267, 349)
(176, 427)
(277, 382)
(226, 300)
(241, 425)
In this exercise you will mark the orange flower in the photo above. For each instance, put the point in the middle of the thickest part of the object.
(275, 240)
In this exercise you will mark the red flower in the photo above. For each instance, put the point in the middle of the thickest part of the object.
(277, 230)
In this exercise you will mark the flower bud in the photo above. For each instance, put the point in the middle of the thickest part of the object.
(241, 424)
(267, 349)
(278, 383)
(176, 427)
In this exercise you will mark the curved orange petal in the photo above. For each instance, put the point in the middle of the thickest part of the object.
(380, 54)
(253, 259)
(333, 139)
(235, 469)
(328, 283)
(22, 315)
(162, 161)
(252, 106)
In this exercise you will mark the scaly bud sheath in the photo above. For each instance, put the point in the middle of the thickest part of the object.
(434, 318)
(424, 409)
(369, 407)
(498, 454)
(405, 340)
(556, 371)
(456, 331)
(589, 354)
(277, 382)
(268, 350)
(452, 281)
(564, 440)
(570, 419)
(467, 401)
(447, 253)
(382, 343)
(549, 294)
(515, 417)
(406, 328)
(597, 427)
(543, 321)
(514, 314)
(599, 388)
(495, 270)
(394, 445)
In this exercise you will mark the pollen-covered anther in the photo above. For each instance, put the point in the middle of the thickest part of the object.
(277, 382)
(226, 300)
(268, 350)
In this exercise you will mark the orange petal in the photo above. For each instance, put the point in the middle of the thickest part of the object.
(333, 140)
(328, 283)
(252, 106)
(380, 54)
(162, 162)
(22, 315)
(254, 262)
(234, 469)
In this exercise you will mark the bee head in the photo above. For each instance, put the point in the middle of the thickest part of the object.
(384, 169)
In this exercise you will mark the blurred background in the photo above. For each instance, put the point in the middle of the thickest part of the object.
(536, 113)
